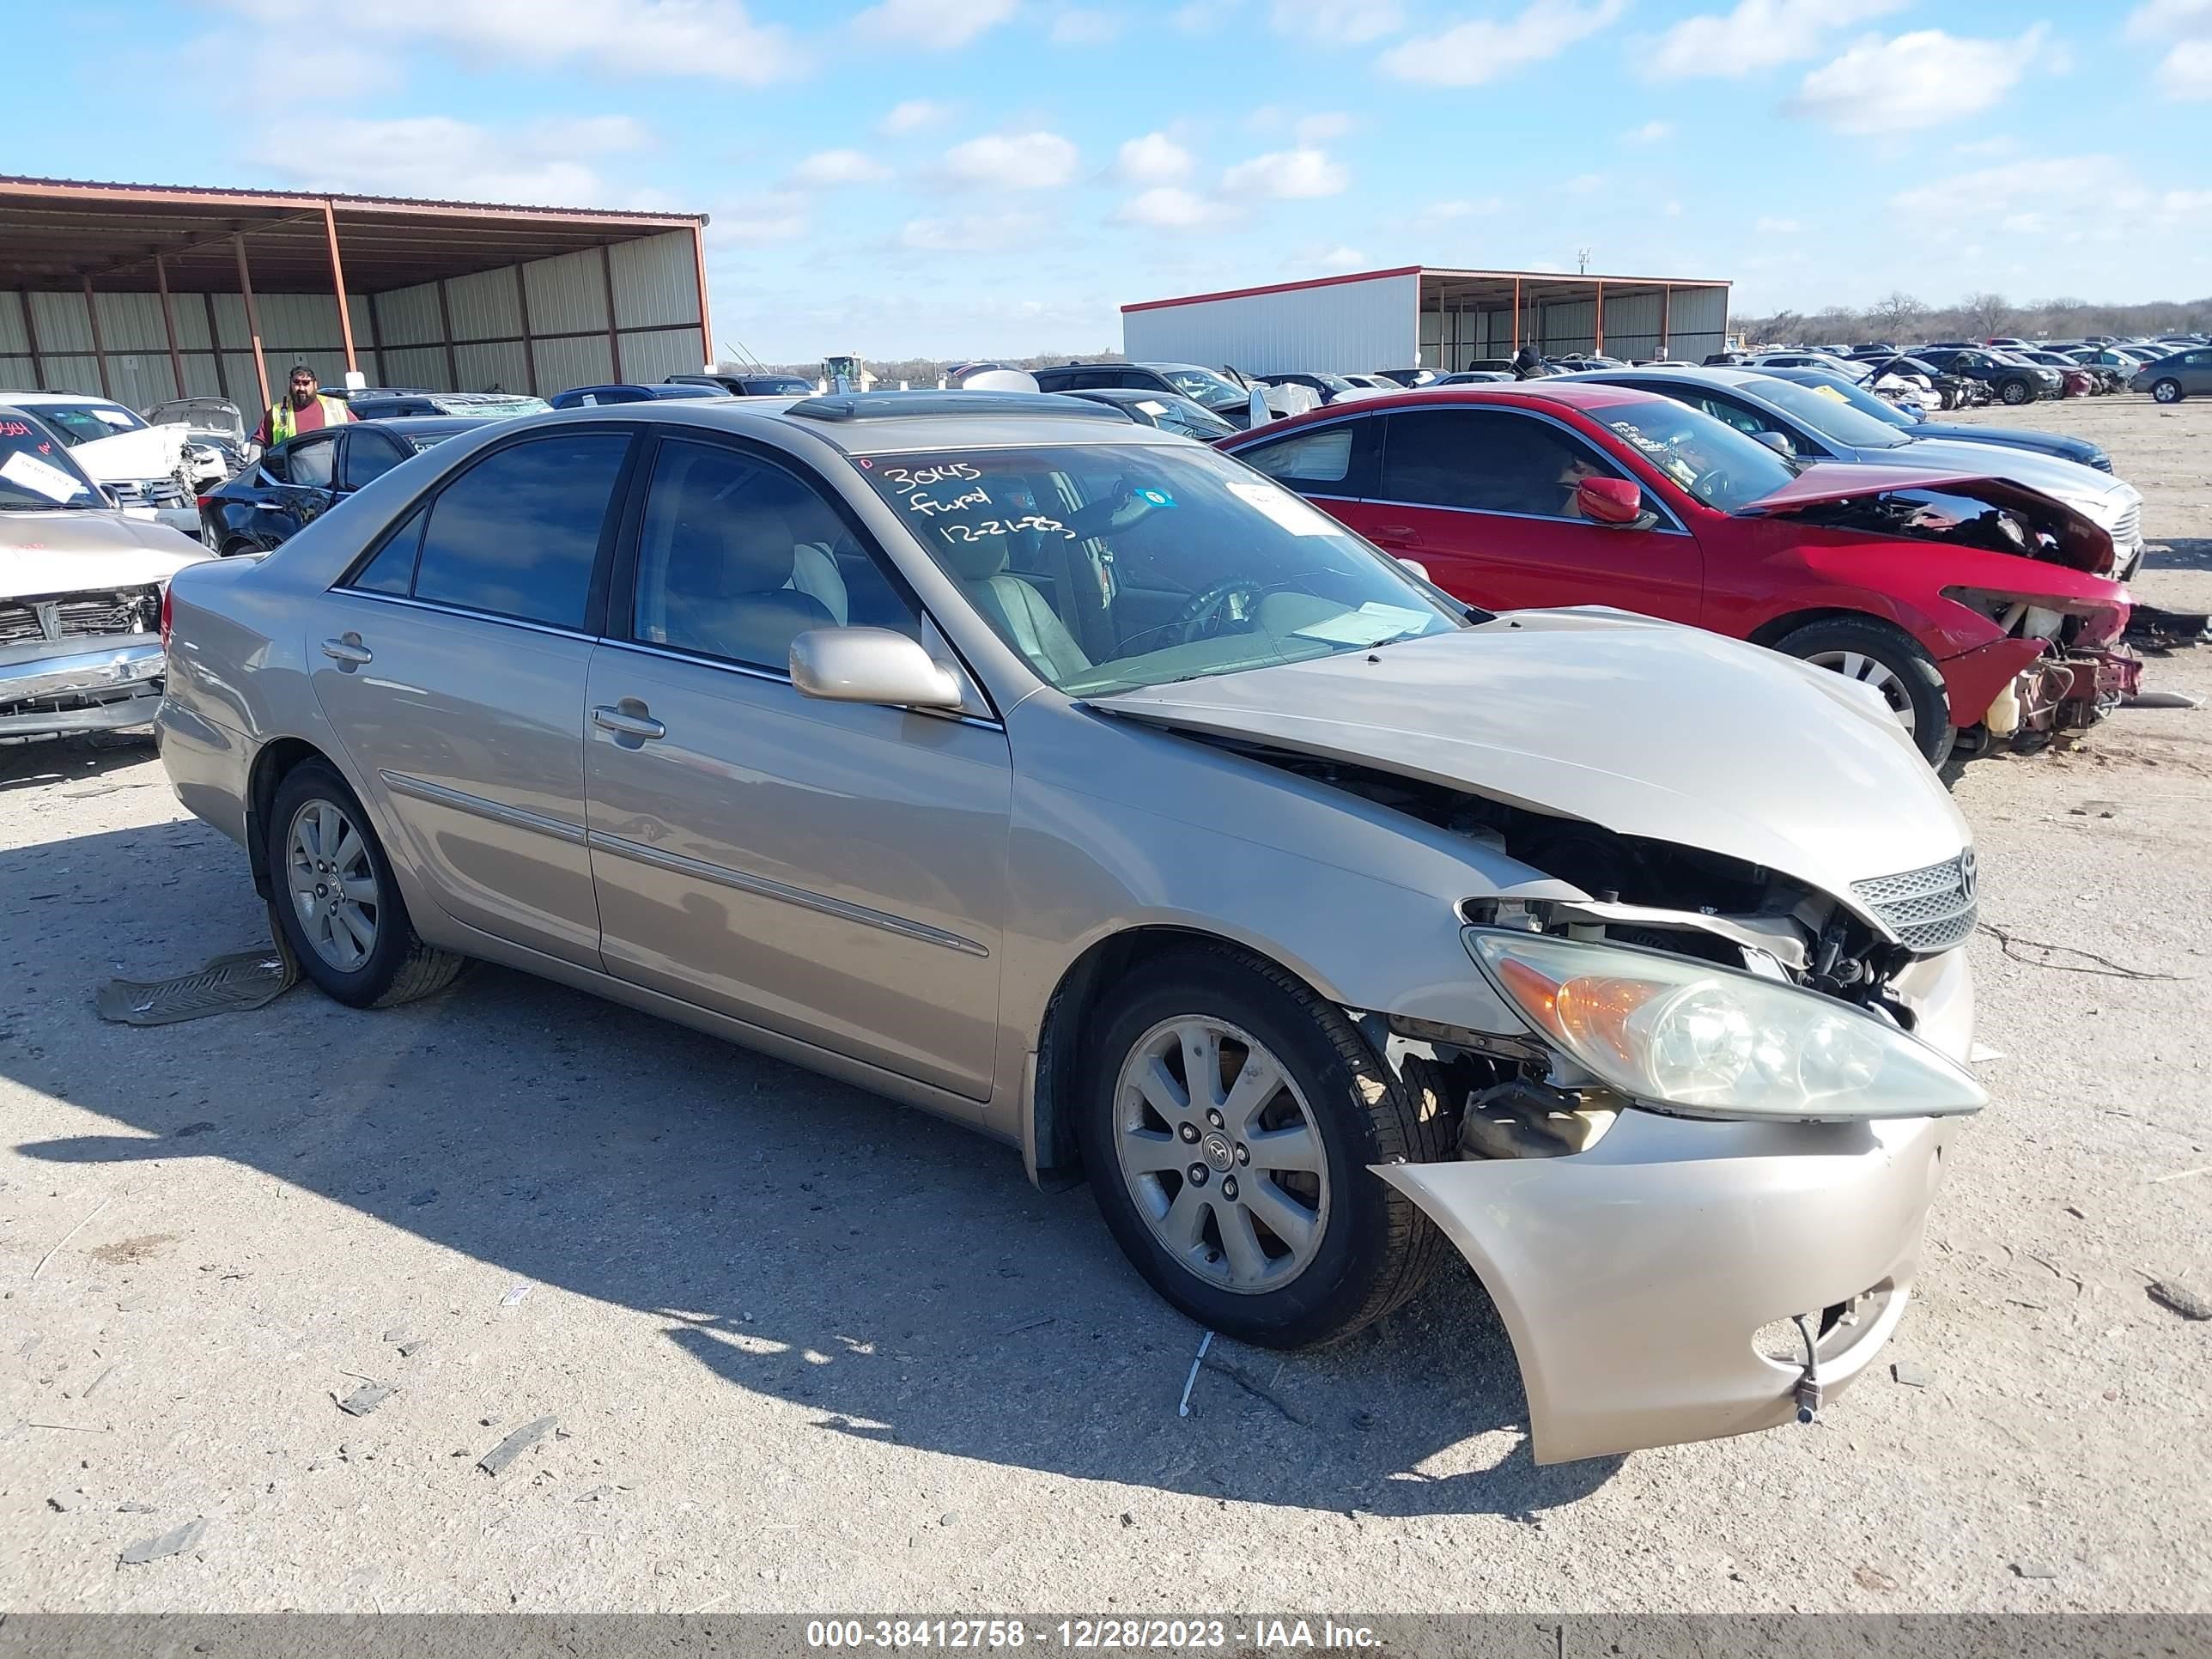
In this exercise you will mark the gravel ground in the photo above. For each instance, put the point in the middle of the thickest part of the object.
(808, 1351)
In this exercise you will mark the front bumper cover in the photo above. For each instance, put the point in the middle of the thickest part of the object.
(86, 686)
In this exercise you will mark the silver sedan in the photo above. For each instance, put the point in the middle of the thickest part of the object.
(1066, 778)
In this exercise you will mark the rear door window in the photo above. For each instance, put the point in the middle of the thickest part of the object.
(312, 460)
(1486, 460)
(518, 533)
(370, 453)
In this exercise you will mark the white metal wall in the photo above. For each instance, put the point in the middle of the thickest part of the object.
(1354, 327)
(1698, 325)
(399, 337)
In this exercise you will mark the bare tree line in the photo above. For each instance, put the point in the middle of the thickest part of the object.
(1906, 318)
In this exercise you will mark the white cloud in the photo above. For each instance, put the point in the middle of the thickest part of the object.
(936, 25)
(1085, 26)
(1919, 80)
(1586, 184)
(1758, 35)
(1336, 22)
(1338, 259)
(2063, 183)
(1777, 228)
(2186, 71)
(774, 216)
(1323, 125)
(1287, 175)
(1445, 212)
(1022, 160)
(968, 233)
(716, 39)
(1202, 16)
(831, 168)
(1482, 49)
(1170, 207)
(913, 116)
(545, 164)
(1154, 159)
(1651, 132)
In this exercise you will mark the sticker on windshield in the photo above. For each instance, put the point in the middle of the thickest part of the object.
(1155, 497)
(1286, 509)
(35, 475)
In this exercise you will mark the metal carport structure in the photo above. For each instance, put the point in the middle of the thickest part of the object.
(1430, 315)
(143, 293)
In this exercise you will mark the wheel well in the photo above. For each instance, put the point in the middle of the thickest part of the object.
(236, 545)
(1069, 1019)
(1773, 632)
(270, 766)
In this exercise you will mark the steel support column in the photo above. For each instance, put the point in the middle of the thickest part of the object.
(253, 319)
(338, 283)
(1601, 319)
(529, 350)
(98, 350)
(31, 338)
(1516, 316)
(169, 326)
(706, 315)
(445, 333)
(614, 330)
(1667, 320)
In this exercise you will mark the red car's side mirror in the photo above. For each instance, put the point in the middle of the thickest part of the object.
(1609, 501)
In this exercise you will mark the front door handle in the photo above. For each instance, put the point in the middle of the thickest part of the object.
(348, 652)
(625, 723)
(1398, 535)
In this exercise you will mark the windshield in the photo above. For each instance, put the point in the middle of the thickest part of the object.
(785, 386)
(77, 423)
(1834, 386)
(1114, 566)
(1718, 465)
(37, 470)
(1830, 416)
(1202, 384)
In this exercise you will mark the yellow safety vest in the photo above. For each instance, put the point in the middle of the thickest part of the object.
(282, 415)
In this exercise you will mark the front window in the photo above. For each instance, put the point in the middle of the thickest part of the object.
(1865, 402)
(1111, 566)
(1715, 463)
(37, 470)
(1201, 384)
(1830, 416)
(84, 422)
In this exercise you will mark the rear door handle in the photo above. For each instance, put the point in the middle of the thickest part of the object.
(348, 652)
(624, 724)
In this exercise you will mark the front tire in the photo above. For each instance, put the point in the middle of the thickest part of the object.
(1228, 1119)
(335, 900)
(1889, 659)
(2167, 391)
(2016, 393)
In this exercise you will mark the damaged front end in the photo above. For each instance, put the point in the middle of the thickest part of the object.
(2060, 665)
(1696, 1185)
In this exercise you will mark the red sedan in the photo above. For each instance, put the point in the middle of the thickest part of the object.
(1970, 604)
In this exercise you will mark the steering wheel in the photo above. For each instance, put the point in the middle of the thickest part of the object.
(1202, 617)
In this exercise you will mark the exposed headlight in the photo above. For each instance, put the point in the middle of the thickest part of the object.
(1708, 1041)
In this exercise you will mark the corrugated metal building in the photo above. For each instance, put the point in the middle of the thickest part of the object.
(143, 293)
(1435, 318)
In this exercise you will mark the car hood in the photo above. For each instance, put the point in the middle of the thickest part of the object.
(2078, 450)
(1645, 728)
(2077, 539)
(130, 457)
(73, 551)
(2051, 474)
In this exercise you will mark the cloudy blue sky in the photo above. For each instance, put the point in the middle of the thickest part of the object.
(949, 177)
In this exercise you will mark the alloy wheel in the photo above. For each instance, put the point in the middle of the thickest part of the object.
(1222, 1153)
(333, 884)
(2167, 392)
(1857, 666)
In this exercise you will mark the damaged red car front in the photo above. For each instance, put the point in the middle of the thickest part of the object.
(2021, 614)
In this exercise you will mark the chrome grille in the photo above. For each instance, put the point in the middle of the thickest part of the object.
(2127, 529)
(80, 616)
(150, 492)
(1931, 909)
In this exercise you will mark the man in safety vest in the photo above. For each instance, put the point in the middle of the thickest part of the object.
(304, 409)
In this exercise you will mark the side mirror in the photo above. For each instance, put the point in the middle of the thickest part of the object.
(1778, 443)
(1419, 570)
(1610, 500)
(1257, 405)
(870, 665)
(108, 495)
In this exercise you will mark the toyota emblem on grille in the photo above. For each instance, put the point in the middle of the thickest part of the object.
(1967, 874)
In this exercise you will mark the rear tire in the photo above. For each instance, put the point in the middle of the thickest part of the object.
(334, 899)
(1885, 657)
(2167, 391)
(1344, 1247)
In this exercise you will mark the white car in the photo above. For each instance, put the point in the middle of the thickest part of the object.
(81, 588)
(142, 466)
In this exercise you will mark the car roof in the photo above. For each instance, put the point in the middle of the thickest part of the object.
(1580, 394)
(442, 424)
(35, 399)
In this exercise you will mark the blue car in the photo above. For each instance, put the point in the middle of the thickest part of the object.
(2080, 450)
(591, 397)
